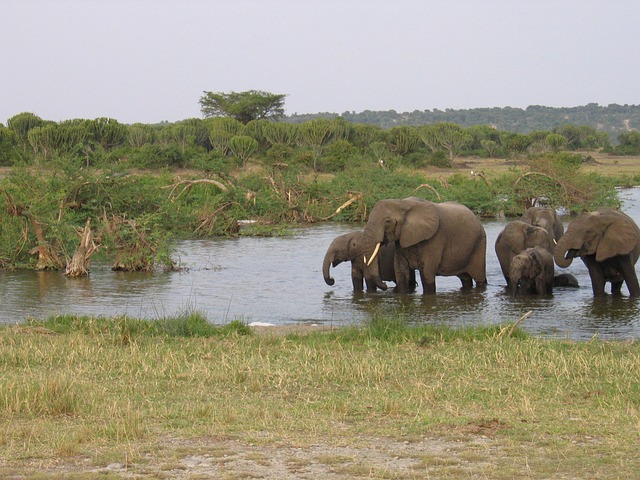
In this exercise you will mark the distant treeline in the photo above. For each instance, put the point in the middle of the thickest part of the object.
(321, 144)
(612, 119)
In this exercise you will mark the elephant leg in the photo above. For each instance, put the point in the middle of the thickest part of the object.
(403, 274)
(467, 281)
(596, 272)
(413, 283)
(548, 286)
(477, 267)
(428, 283)
(629, 273)
(357, 279)
(540, 286)
(616, 288)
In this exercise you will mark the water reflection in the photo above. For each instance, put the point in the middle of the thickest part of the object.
(279, 280)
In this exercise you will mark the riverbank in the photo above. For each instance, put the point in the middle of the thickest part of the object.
(123, 399)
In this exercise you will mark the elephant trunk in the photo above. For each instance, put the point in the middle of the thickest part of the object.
(373, 272)
(515, 280)
(370, 244)
(513, 287)
(561, 250)
(326, 265)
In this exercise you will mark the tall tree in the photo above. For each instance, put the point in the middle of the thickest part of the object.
(243, 106)
(22, 123)
(446, 136)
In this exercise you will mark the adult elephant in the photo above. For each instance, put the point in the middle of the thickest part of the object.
(516, 237)
(342, 249)
(531, 272)
(608, 242)
(547, 218)
(435, 238)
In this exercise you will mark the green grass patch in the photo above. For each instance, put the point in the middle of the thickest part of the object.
(190, 324)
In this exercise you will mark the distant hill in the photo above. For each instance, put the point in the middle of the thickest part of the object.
(613, 118)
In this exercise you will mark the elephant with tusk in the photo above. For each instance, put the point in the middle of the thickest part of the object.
(438, 239)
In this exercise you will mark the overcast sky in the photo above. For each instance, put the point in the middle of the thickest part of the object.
(150, 60)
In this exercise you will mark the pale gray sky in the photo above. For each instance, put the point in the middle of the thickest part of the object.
(150, 60)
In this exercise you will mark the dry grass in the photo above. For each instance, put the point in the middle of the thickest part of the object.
(560, 408)
(601, 163)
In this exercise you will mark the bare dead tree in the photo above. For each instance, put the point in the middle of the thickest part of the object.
(79, 264)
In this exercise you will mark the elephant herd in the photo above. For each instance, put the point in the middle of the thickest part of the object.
(447, 239)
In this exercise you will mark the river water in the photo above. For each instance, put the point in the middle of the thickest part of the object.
(279, 281)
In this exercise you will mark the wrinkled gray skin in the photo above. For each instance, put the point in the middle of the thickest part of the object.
(342, 250)
(516, 237)
(546, 218)
(443, 239)
(608, 242)
(531, 272)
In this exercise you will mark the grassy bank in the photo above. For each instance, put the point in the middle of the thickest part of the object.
(90, 392)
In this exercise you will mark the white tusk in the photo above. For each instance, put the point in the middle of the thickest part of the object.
(555, 242)
(373, 256)
(365, 260)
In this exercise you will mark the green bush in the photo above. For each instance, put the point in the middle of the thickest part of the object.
(337, 156)
(153, 156)
(439, 159)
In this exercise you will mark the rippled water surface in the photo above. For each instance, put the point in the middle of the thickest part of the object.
(279, 281)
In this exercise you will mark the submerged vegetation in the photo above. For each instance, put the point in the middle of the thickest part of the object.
(91, 391)
(126, 192)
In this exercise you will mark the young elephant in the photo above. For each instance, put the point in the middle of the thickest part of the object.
(342, 250)
(532, 272)
(516, 237)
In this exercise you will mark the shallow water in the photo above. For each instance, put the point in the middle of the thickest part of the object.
(279, 281)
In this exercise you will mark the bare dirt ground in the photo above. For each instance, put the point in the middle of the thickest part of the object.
(367, 457)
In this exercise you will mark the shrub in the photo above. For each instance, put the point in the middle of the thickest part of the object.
(337, 155)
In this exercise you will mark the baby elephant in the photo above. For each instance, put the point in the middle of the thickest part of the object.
(532, 272)
(342, 249)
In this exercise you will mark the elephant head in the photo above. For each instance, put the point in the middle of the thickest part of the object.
(605, 233)
(343, 248)
(518, 236)
(339, 251)
(546, 218)
(406, 222)
(531, 272)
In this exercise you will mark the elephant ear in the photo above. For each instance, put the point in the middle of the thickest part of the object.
(620, 238)
(421, 223)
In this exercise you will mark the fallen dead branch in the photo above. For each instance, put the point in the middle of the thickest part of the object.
(486, 180)
(426, 185)
(356, 196)
(187, 184)
(513, 327)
